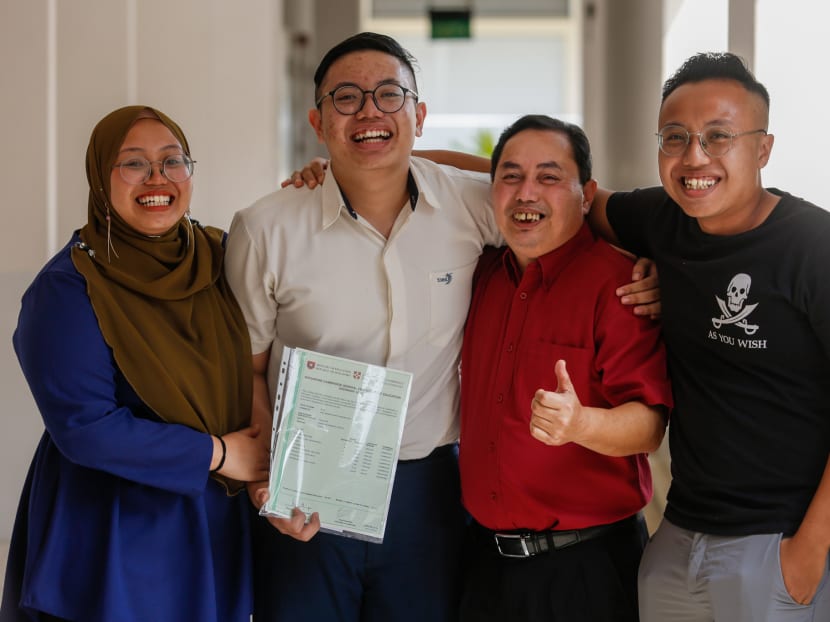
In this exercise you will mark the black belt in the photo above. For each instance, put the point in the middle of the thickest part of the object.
(530, 543)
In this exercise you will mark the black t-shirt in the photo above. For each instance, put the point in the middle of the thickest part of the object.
(746, 320)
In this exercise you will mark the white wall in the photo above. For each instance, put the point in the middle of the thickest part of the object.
(214, 66)
(791, 56)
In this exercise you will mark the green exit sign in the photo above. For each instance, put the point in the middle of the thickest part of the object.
(450, 24)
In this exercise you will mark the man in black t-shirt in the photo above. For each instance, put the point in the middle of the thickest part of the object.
(746, 312)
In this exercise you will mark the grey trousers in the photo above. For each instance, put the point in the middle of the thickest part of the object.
(687, 576)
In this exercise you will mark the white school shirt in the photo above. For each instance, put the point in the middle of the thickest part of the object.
(308, 274)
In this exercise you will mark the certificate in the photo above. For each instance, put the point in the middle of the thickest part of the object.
(335, 442)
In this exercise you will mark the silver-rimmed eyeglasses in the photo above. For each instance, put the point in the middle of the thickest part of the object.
(137, 170)
(349, 99)
(715, 140)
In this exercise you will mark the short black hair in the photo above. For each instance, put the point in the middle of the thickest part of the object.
(357, 43)
(715, 66)
(576, 136)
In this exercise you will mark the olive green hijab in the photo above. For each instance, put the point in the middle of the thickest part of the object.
(162, 303)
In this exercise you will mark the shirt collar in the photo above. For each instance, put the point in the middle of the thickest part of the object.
(335, 200)
(425, 181)
(550, 265)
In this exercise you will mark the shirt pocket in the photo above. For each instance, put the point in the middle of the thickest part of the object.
(449, 301)
(538, 368)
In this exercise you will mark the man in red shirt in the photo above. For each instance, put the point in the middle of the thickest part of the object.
(564, 391)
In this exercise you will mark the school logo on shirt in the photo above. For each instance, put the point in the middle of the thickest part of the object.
(311, 364)
(735, 310)
(446, 279)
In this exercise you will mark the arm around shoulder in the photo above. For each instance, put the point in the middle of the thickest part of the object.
(458, 159)
(598, 216)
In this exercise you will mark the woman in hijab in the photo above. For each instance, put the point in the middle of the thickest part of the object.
(139, 361)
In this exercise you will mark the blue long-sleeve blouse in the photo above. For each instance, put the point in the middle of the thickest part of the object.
(118, 519)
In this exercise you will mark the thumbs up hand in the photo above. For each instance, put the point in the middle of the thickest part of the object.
(556, 417)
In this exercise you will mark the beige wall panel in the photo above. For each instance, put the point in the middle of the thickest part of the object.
(23, 158)
(217, 68)
(91, 81)
(23, 178)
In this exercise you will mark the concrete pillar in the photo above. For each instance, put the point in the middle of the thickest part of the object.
(742, 30)
(314, 27)
(622, 78)
(623, 60)
(301, 27)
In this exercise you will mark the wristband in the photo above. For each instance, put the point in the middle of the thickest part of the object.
(224, 453)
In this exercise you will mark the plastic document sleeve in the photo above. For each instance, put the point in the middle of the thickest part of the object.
(335, 442)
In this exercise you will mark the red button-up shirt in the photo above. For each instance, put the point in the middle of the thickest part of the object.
(519, 325)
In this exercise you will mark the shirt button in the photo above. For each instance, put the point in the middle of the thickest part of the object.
(523, 295)
(499, 398)
(493, 496)
(510, 348)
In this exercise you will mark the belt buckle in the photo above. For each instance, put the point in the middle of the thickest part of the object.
(512, 536)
